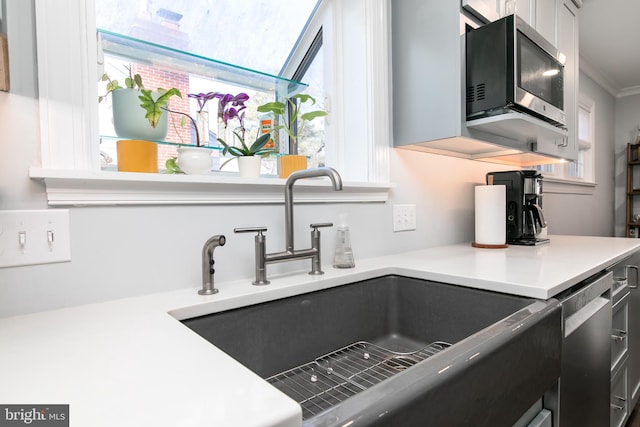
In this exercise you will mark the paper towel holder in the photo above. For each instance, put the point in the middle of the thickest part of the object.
(490, 216)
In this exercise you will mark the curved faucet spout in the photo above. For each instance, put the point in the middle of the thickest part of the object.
(313, 173)
(288, 195)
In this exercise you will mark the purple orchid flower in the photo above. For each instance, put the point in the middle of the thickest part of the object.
(230, 107)
(202, 98)
(233, 107)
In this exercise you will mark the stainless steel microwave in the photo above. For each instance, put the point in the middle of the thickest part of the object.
(510, 67)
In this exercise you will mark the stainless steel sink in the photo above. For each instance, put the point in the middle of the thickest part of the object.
(398, 351)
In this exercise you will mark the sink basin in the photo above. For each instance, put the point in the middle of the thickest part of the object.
(425, 352)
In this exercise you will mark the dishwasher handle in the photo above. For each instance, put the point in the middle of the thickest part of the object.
(584, 303)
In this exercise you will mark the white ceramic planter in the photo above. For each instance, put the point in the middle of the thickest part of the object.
(249, 166)
(194, 160)
(129, 119)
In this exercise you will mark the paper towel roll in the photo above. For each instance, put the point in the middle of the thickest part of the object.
(491, 215)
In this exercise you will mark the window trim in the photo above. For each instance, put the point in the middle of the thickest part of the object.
(92, 188)
(301, 70)
(70, 166)
(566, 186)
(309, 56)
(563, 184)
(65, 54)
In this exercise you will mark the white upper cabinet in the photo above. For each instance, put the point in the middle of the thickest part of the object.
(564, 36)
(429, 82)
(546, 20)
(525, 9)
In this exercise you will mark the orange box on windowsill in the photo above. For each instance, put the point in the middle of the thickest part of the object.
(136, 155)
(290, 163)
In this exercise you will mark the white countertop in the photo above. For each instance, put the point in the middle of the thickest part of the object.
(130, 362)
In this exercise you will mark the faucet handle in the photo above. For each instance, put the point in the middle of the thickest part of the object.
(321, 224)
(260, 251)
(258, 230)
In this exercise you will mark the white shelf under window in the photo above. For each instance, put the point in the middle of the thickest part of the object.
(94, 188)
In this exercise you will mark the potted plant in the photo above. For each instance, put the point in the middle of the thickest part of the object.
(249, 155)
(138, 119)
(128, 121)
(192, 160)
(293, 121)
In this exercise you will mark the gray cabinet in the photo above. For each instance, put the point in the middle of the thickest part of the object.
(619, 397)
(634, 328)
(619, 402)
(427, 71)
(625, 339)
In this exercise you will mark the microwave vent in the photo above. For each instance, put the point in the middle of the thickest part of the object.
(476, 93)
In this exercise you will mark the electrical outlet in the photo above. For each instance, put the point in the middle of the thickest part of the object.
(404, 217)
(33, 237)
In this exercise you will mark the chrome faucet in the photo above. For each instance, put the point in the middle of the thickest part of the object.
(208, 287)
(290, 253)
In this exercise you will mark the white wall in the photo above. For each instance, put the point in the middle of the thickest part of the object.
(579, 214)
(627, 122)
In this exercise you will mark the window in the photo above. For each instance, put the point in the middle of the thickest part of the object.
(245, 33)
(355, 67)
(238, 33)
(583, 170)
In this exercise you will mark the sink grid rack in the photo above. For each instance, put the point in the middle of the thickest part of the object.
(330, 379)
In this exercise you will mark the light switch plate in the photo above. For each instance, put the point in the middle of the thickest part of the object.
(30, 237)
(404, 217)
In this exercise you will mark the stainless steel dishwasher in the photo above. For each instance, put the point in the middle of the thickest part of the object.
(586, 354)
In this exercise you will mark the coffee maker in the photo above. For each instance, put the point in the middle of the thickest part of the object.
(525, 218)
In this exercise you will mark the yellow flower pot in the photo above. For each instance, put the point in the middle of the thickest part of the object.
(290, 163)
(136, 155)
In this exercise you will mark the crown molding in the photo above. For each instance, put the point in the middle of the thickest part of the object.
(629, 91)
(598, 76)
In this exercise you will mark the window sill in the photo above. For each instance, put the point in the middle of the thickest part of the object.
(566, 186)
(95, 188)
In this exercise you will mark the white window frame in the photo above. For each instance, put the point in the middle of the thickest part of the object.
(559, 181)
(67, 74)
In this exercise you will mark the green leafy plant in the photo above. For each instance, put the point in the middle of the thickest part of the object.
(255, 149)
(131, 82)
(295, 122)
(172, 166)
(154, 106)
(233, 107)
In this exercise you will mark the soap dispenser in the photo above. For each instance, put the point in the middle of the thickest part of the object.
(343, 257)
